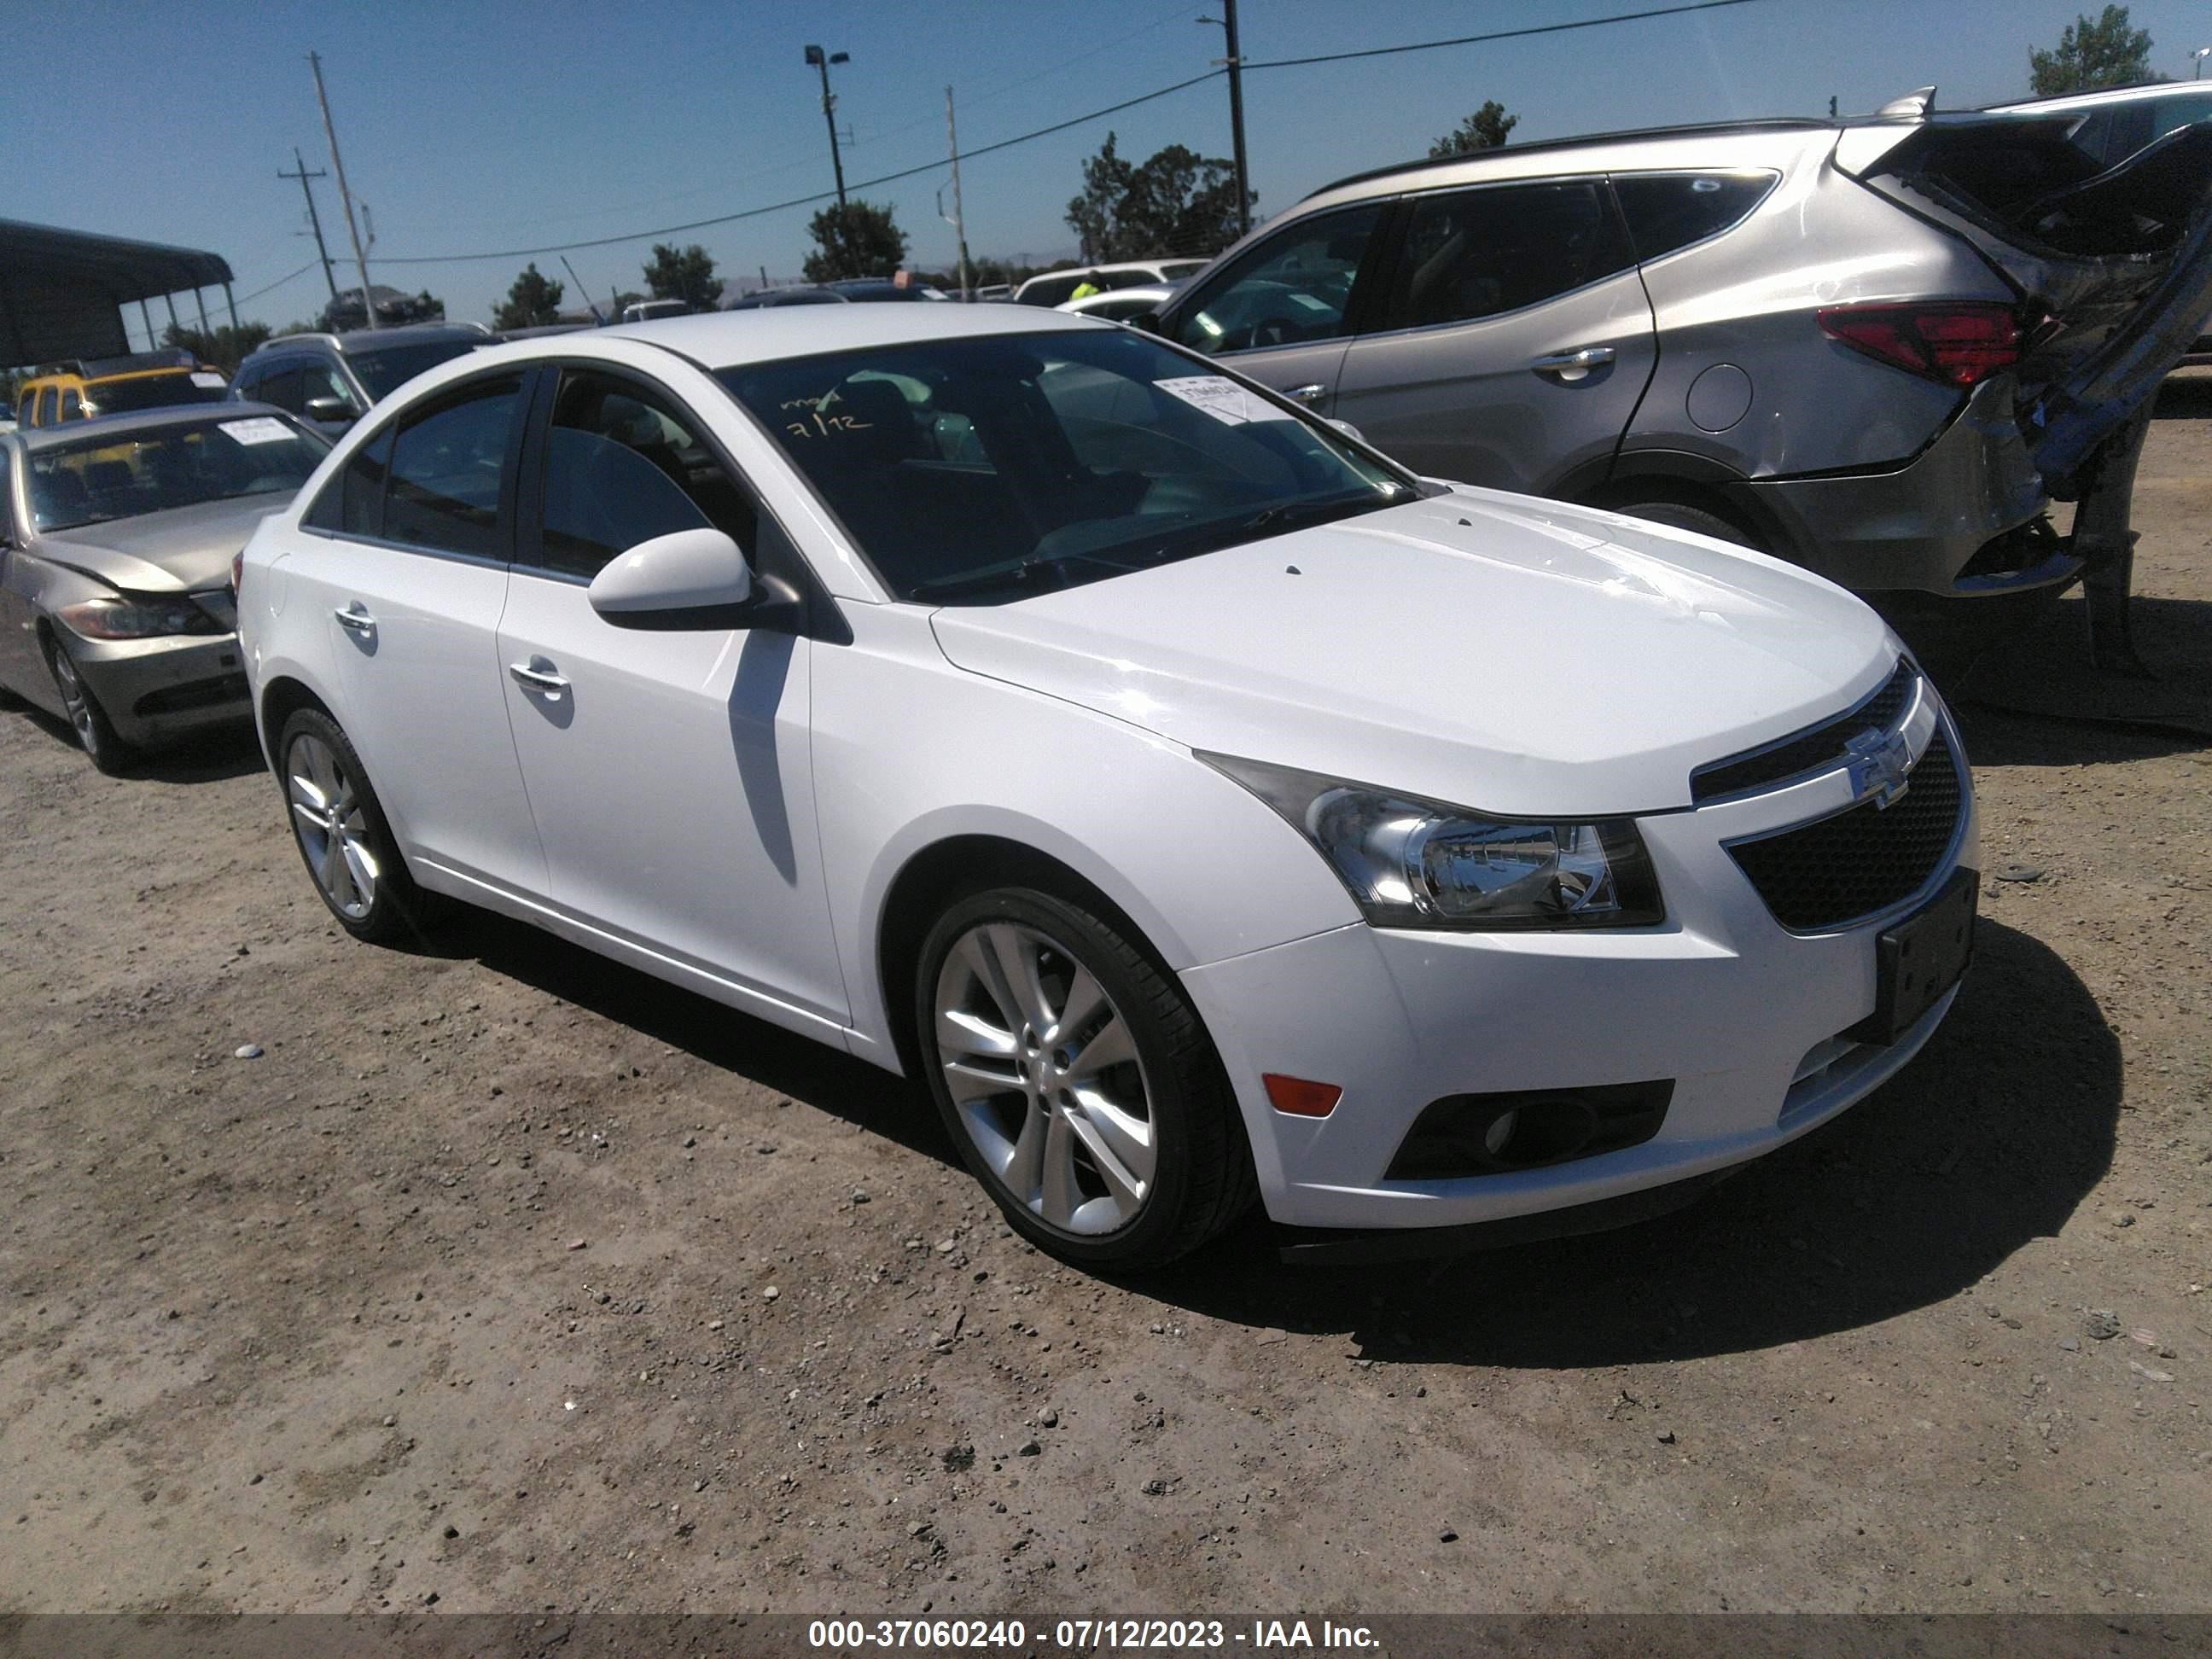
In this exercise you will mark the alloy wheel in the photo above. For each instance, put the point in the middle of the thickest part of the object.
(76, 700)
(1045, 1078)
(332, 829)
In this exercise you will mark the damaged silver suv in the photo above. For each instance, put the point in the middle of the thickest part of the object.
(1877, 347)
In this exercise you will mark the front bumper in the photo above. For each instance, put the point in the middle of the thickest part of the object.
(1919, 525)
(1746, 1017)
(158, 689)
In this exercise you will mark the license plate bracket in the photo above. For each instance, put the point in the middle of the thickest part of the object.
(1921, 958)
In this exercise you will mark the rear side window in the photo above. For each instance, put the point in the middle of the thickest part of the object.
(1474, 254)
(623, 464)
(49, 404)
(352, 504)
(72, 406)
(447, 464)
(1670, 210)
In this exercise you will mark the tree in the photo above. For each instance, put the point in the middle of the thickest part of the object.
(1484, 129)
(1176, 202)
(859, 240)
(532, 303)
(687, 274)
(223, 349)
(2103, 52)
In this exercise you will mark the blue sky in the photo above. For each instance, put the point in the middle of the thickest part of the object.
(486, 124)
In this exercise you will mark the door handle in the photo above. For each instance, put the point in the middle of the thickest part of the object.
(355, 617)
(538, 675)
(1575, 365)
(1308, 394)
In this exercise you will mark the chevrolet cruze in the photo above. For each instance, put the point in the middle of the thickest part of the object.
(1205, 806)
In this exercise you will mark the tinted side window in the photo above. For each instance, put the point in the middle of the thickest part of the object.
(7, 493)
(1668, 211)
(1474, 254)
(1294, 286)
(623, 464)
(319, 379)
(445, 469)
(72, 406)
(352, 504)
(49, 404)
(2171, 112)
(282, 388)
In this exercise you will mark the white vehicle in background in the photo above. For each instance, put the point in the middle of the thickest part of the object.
(1050, 287)
(648, 310)
(1202, 804)
(1122, 305)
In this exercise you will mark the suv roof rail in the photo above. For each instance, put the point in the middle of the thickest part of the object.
(1583, 140)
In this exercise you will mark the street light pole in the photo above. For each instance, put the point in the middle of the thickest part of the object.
(1235, 64)
(822, 60)
(2196, 62)
(345, 197)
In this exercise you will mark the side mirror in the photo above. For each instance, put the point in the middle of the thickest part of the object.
(1147, 320)
(331, 409)
(700, 571)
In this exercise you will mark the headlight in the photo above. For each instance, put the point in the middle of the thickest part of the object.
(138, 616)
(1415, 863)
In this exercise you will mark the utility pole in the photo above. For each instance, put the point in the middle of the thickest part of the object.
(313, 218)
(345, 196)
(959, 221)
(1235, 64)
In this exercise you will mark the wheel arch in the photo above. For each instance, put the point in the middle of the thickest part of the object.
(1687, 480)
(283, 697)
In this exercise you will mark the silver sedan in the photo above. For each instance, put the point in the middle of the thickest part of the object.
(116, 540)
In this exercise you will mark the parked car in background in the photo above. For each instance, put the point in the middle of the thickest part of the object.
(1202, 804)
(1122, 305)
(865, 290)
(992, 292)
(1050, 287)
(329, 380)
(648, 310)
(1847, 345)
(117, 535)
(86, 388)
(544, 330)
(2116, 124)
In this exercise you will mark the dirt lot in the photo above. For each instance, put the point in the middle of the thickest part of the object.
(511, 1279)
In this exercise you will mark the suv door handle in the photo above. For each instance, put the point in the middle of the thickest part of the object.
(1574, 365)
(538, 675)
(1312, 393)
(355, 617)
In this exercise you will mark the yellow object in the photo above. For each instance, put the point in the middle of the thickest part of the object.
(78, 391)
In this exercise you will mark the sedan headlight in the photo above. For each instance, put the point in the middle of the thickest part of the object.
(1415, 863)
(138, 616)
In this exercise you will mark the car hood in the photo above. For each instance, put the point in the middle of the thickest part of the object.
(178, 551)
(1522, 657)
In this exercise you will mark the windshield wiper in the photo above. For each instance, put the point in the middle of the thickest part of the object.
(1015, 575)
(1284, 514)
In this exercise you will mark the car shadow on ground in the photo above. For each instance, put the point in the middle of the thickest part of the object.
(209, 756)
(2045, 678)
(809, 1071)
(1990, 1138)
(2183, 397)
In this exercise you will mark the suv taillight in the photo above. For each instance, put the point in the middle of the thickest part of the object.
(1958, 344)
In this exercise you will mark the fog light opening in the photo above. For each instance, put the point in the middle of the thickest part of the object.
(1546, 1130)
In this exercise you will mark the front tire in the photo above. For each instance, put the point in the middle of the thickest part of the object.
(1075, 1078)
(341, 832)
(96, 733)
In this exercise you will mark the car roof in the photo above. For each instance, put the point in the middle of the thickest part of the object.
(356, 339)
(1510, 154)
(118, 426)
(2148, 92)
(722, 339)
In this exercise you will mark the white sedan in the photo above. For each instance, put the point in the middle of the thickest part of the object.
(1202, 804)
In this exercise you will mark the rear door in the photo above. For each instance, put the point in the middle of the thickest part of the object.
(671, 770)
(1513, 339)
(1284, 310)
(413, 595)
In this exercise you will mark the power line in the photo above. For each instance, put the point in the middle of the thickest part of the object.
(279, 283)
(802, 201)
(1501, 34)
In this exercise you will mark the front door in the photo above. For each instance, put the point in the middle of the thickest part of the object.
(669, 771)
(1282, 312)
(1514, 341)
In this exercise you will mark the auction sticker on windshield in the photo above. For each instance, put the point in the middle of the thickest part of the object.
(1223, 399)
(258, 429)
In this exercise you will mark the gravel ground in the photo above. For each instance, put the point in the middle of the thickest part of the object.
(506, 1279)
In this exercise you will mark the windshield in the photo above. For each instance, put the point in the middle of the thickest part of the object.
(972, 472)
(153, 391)
(383, 369)
(121, 475)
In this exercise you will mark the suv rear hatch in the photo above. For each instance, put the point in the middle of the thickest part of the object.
(2113, 265)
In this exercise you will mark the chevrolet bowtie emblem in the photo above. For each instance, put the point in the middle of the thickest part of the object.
(1879, 762)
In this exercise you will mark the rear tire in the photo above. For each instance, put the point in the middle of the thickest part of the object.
(342, 833)
(1080, 1085)
(96, 733)
(1679, 516)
